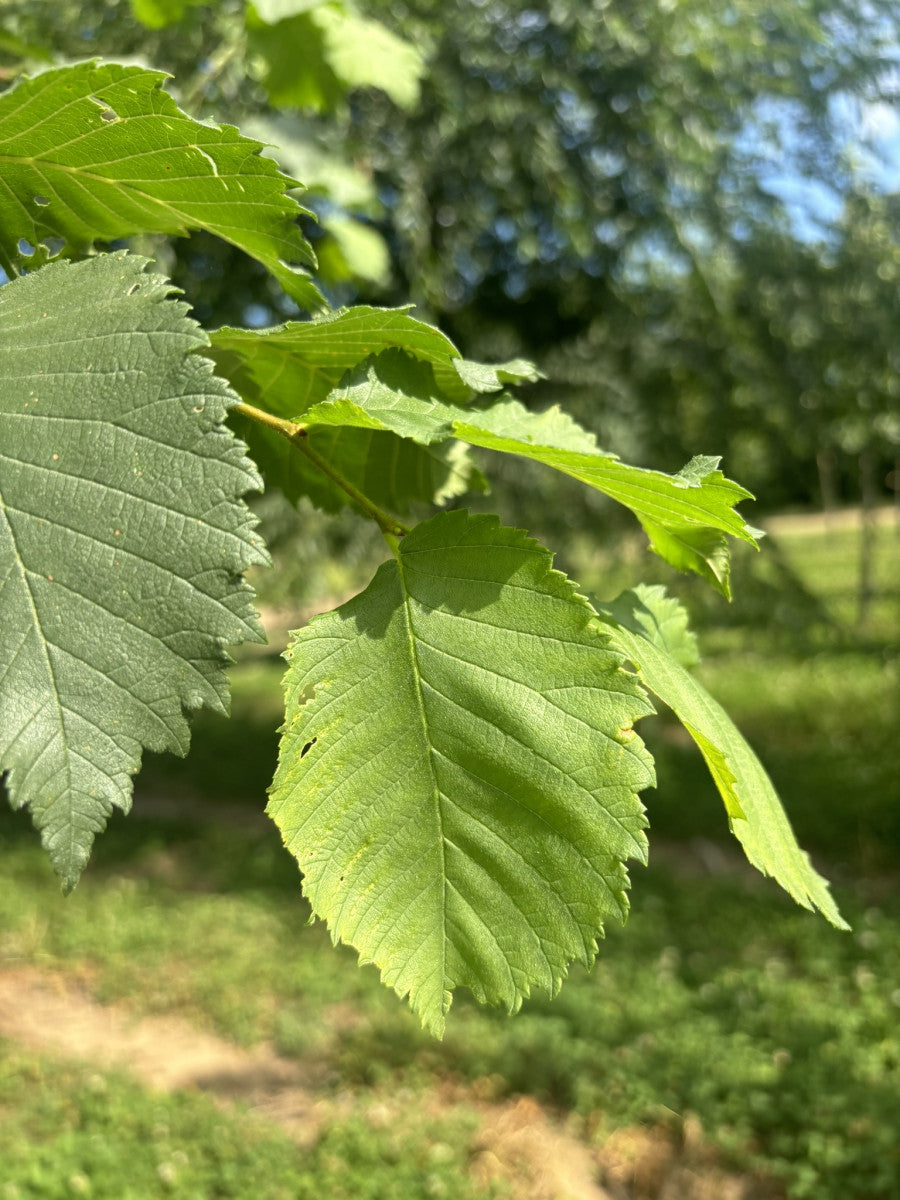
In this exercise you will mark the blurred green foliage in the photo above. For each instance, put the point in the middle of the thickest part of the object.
(613, 187)
(616, 187)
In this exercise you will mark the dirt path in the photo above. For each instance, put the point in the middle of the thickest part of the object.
(884, 517)
(519, 1142)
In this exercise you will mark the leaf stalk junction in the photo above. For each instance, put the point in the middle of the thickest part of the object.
(298, 435)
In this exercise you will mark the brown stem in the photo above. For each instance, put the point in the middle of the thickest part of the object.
(298, 436)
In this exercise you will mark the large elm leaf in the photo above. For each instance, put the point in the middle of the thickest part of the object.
(97, 152)
(122, 539)
(646, 628)
(458, 772)
(685, 515)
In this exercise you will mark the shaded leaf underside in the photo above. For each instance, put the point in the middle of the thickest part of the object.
(122, 539)
(287, 369)
(458, 772)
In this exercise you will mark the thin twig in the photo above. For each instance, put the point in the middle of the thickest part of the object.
(298, 436)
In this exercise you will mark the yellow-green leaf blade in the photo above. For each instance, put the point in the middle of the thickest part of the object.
(685, 515)
(458, 771)
(756, 816)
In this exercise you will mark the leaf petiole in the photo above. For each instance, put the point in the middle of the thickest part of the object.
(298, 436)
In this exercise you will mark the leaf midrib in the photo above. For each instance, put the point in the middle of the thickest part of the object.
(423, 718)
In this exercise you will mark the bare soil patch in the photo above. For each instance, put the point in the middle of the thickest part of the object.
(523, 1146)
(536, 1155)
(885, 516)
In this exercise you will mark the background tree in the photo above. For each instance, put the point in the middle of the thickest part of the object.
(607, 182)
(608, 185)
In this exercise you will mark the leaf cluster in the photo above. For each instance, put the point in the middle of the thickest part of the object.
(459, 773)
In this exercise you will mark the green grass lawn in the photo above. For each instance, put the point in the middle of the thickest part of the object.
(720, 1000)
(68, 1131)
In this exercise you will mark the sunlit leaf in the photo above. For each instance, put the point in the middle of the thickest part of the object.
(755, 814)
(92, 153)
(290, 367)
(157, 14)
(686, 515)
(316, 53)
(458, 773)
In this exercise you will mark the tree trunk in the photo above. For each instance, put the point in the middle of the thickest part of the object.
(827, 481)
(868, 489)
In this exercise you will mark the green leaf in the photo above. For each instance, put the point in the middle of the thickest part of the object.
(122, 540)
(392, 472)
(297, 71)
(703, 551)
(353, 250)
(458, 772)
(640, 620)
(157, 14)
(685, 515)
(288, 369)
(391, 390)
(311, 155)
(364, 53)
(658, 617)
(272, 11)
(482, 377)
(315, 53)
(90, 153)
(388, 391)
